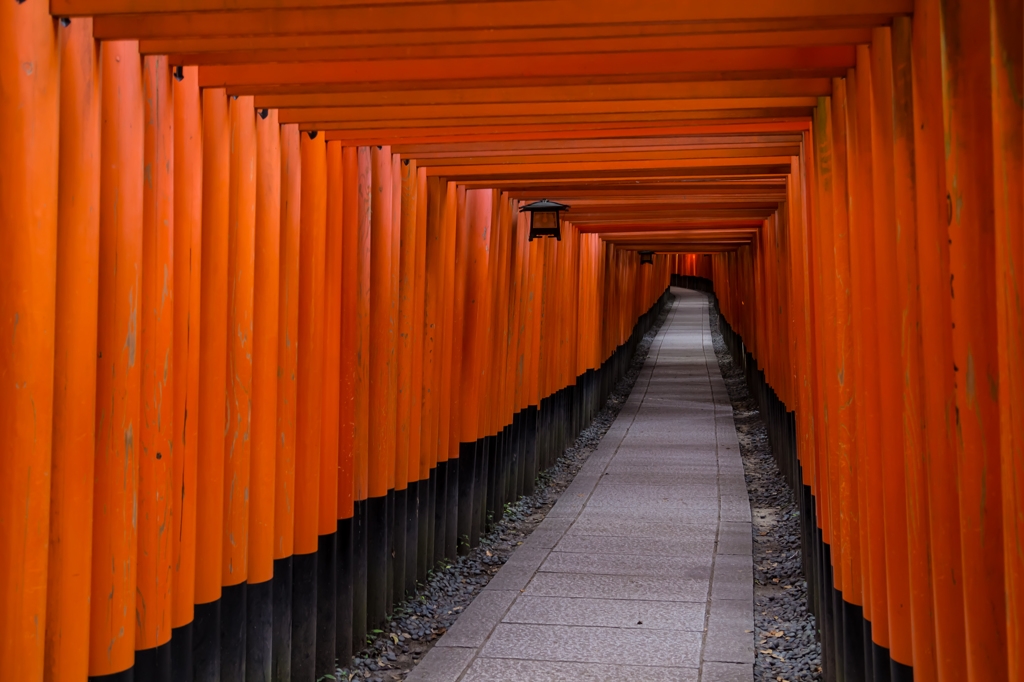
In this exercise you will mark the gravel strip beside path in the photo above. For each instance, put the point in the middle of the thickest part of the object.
(786, 647)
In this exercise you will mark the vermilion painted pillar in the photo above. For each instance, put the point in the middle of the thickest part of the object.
(238, 387)
(69, 569)
(866, 280)
(848, 409)
(188, 193)
(1008, 139)
(855, 185)
(938, 409)
(329, 550)
(407, 448)
(433, 277)
(156, 342)
(119, 364)
(824, 237)
(361, 186)
(379, 205)
(419, 466)
(445, 437)
(309, 400)
(912, 347)
(395, 501)
(349, 630)
(887, 363)
(265, 381)
(213, 353)
(29, 125)
(967, 101)
(287, 391)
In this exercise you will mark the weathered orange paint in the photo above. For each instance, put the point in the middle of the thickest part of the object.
(239, 392)
(287, 344)
(348, 491)
(265, 342)
(330, 424)
(309, 399)
(188, 189)
(1008, 171)
(381, 348)
(69, 567)
(967, 99)
(419, 467)
(119, 363)
(156, 343)
(213, 346)
(937, 364)
(891, 374)
(406, 471)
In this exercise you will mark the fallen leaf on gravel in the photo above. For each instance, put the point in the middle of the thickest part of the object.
(394, 637)
(776, 633)
(489, 553)
(765, 651)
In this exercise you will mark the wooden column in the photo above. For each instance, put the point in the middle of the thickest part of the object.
(69, 567)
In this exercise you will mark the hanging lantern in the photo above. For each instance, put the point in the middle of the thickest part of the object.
(647, 257)
(544, 218)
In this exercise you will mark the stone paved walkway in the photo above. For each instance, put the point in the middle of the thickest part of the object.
(642, 569)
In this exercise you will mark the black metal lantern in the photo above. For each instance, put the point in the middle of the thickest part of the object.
(647, 257)
(544, 218)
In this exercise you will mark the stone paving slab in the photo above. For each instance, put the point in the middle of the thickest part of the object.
(628, 564)
(609, 613)
(706, 514)
(641, 528)
(619, 587)
(514, 670)
(642, 570)
(476, 622)
(674, 543)
(617, 646)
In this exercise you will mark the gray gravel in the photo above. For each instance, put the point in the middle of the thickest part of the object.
(786, 648)
(420, 621)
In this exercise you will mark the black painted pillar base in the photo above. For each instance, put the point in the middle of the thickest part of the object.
(153, 664)
(467, 457)
(181, 653)
(451, 533)
(304, 574)
(259, 631)
(425, 523)
(440, 509)
(344, 601)
(326, 604)
(389, 553)
(376, 559)
(398, 546)
(206, 642)
(281, 660)
(412, 506)
(853, 642)
(359, 577)
(232, 633)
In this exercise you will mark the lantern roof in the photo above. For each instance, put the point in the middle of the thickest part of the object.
(544, 205)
